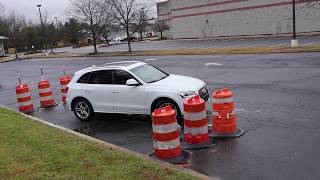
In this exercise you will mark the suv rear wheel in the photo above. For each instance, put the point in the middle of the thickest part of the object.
(83, 109)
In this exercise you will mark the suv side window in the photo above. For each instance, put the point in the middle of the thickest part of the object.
(120, 77)
(84, 79)
(101, 77)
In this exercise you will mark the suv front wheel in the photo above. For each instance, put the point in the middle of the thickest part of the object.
(83, 110)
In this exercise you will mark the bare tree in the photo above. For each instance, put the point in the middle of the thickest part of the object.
(143, 18)
(127, 14)
(95, 13)
(161, 26)
(15, 25)
(4, 25)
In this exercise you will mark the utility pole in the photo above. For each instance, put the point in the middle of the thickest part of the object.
(294, 36)
(42, 27)
(294, 41)
(56, 21)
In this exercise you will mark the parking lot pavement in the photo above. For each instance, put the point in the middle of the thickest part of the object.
(200, 43)
(277, 102)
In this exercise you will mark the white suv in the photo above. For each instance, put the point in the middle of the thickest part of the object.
(129, 87)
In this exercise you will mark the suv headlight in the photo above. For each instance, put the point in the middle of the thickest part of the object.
(187, 94)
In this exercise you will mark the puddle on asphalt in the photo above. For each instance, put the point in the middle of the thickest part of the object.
(87, 130)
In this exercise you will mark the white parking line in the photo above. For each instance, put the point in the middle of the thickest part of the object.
(279, 45)
(232, 46)
(151, 59)
(256, 45)
(213, 64)
(203, 46)
(307, 44)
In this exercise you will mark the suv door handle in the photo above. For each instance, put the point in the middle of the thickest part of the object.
(116, 92)
(88, 91)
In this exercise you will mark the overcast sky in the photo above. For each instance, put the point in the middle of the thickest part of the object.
(54, 8)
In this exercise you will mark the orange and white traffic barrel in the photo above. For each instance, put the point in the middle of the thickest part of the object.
(46, 95)
(24, 98)
(224, 120)
(196, 124)
(166, 136)
(64, 81)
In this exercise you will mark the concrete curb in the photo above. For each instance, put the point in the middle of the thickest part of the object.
(114, 147)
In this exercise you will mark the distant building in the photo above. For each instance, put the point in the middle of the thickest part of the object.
(2, 39)
(212, 18)
(118, 32)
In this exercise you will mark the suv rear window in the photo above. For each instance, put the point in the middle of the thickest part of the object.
(85, 79)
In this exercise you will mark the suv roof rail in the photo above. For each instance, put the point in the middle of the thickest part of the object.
(121, 62)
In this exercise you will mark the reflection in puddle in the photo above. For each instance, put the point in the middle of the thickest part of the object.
(85, 130)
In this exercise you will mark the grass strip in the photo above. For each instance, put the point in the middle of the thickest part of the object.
(32, 150)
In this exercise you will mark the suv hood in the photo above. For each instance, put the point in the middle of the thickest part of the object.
(181, 83)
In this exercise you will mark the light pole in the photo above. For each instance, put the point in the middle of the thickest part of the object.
(42, 27)
(56, 21)
(294, 41)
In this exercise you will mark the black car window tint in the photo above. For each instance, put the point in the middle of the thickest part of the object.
(120, 77)
(101, 77)
(85, 79)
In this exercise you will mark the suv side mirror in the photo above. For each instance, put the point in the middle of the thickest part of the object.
(132, 82)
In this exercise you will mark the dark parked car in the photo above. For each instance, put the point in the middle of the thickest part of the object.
(132, 38)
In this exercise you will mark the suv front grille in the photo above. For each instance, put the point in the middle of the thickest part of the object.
(204, 93)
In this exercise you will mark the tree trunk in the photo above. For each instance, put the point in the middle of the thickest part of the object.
(51, 48)
(15, 52)
(128, 39)
(161, 35)
(141, 36)
(45, 47)
(95, 45)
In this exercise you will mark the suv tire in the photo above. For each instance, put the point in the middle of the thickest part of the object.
(83, 110)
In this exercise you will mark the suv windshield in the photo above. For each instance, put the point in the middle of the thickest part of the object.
(149, 74)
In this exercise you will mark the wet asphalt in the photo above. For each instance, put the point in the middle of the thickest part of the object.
(277, 100)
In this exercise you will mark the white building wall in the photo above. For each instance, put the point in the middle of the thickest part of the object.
(211, 18)
(164, 14)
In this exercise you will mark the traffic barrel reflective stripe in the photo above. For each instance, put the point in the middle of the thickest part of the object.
(224, 120)
(64, 81)
(45, 94)
(195, 121)
(224, 117)
(167, 149)
(165, 132)
(222, 100)
(24, 98)
(165, 128)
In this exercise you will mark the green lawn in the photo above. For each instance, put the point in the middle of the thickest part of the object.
(31, 150)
